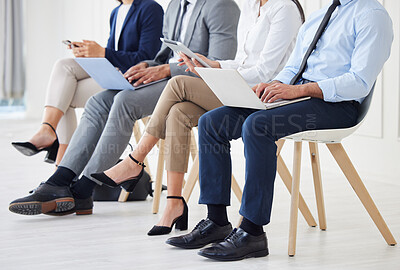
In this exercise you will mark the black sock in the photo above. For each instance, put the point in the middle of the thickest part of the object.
(251, 227)
(61, 177)
(217, 213)
(83, 188)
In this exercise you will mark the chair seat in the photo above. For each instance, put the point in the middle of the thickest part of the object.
(324, 135)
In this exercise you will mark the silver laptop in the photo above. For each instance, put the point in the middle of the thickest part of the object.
(232, 90)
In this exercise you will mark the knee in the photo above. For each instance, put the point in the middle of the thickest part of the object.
(211, 122)
(65, 64)
(176, 85)
(257, 125)
(125, 105)
(99, 103)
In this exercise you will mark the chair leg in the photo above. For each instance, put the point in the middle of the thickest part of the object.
(316, 170)
(145, 120)
(294, 199)
(286, 177)
(236, 189)
(193, 145)
(192, 179)
(355, 181)
(159, 177)
(279, 146)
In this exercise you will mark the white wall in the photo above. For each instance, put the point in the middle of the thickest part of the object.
(375, 149)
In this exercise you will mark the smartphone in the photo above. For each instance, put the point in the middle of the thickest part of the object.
(69, 43)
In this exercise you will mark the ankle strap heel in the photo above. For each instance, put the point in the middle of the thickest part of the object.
(136, 161)
(45, 123)
(175, 197)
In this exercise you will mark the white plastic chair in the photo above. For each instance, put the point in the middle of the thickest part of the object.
(332, 138)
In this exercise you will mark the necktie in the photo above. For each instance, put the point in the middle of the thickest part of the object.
(313, 44)
(179, 23)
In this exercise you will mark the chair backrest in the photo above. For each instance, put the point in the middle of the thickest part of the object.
(364, 106)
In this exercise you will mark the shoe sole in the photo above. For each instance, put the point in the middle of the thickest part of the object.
(25, 151)
(29, 152)
(36, 208)
(257, 254)
(193, 246)
(78, 213)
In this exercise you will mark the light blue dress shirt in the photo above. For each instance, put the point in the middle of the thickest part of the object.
(350, 54)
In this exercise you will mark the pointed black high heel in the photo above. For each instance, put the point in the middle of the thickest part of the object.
(28, 149)
(181, 222)
(129, 184)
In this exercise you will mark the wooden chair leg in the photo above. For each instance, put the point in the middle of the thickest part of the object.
(193, 145)
(294, 198)
(316, 170)
(279, 145)
(192, 179)
(355, 181)
(159, 177)
(286, 177)
(145, 120)
(236, 189)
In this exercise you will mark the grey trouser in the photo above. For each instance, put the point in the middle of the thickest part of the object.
(106, 127)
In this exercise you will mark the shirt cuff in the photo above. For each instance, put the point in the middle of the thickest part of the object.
(229, 64)
(285, 78)
(328, 90)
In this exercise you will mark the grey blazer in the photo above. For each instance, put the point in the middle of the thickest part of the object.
(211, 32)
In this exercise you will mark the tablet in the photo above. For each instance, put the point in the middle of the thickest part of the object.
(178, 47)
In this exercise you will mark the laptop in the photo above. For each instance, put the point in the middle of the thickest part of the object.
(106, 75)
(232, 90)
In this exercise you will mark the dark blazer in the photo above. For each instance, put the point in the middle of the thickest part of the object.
(211, 31)
(140, 34)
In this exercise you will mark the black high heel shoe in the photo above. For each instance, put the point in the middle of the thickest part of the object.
(28, 149)
(129, 184)
(181, 222)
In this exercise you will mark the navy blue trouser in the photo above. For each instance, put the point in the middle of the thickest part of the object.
(259, 129)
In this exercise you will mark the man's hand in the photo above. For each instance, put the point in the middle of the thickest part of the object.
(259, 88)
(88, 48)
(192, 63)
(132, 71)
(270, 92)
(149, 74)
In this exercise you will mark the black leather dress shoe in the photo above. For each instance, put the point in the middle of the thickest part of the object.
(205, 232)
(82, 207)
(237, 246)
(44, 199)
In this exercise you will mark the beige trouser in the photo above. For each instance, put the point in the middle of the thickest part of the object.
(69, 88)
(178, 110)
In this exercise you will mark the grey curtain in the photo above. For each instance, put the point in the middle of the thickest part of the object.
(12, 77)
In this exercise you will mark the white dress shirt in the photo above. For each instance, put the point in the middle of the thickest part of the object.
(265, 42)
(122, 12)
(185, 23)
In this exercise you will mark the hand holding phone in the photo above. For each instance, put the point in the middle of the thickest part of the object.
(69, 43)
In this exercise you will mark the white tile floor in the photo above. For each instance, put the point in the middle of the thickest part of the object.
(115, 236)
